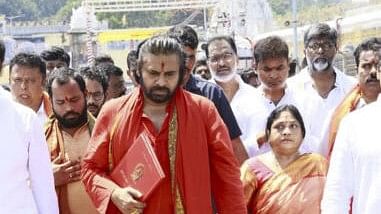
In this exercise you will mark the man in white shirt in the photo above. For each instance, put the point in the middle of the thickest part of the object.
(272, 67)
(26, 176)
(222, 57)
(355, 166)
(27, 74)
(368, 88)
(324, 85)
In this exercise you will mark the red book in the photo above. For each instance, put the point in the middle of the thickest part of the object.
(139, 168)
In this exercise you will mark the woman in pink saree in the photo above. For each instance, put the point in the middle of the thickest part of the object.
(284, 180)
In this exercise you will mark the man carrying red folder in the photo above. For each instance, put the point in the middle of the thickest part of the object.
(188, 137)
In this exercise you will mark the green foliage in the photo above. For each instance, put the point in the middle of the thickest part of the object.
(65, 12)
(16, 7)
(61, 10)
(147, 18)
(48, 8)
(135, 19)
(31, 9)
(309, 11)
(280, 7)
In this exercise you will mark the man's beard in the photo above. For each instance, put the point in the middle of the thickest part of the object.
(97, 107)
(224, 78)
(318, 64)
(157, 98)
(72, 122)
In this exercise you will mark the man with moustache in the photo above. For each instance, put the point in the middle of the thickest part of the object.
(323, 85)
(221, 52)
(26, 175)
(67, 134)
(189, 138)
(96, 87)
(189, 42)
(27, 75)
(368, 88)
(353, 180)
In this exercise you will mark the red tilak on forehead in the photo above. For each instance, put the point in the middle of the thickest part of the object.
(162, 66)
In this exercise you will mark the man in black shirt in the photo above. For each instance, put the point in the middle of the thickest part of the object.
(189, 41)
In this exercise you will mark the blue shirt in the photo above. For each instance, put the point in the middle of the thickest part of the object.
(214, 93)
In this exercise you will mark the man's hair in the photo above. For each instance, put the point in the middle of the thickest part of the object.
(63, 75)
(94, 73)
(200, 62)
(320, 30)
(131, 59)
(293, 64)
(162, 45)
(185, 34)
(269, 48)
(2, 51)
(109, 69)
(276, 114)
(228, 39)
(370, 44)
(247, 74)
(138, 48)
(29, 60)
(56, 53)
(103, 59)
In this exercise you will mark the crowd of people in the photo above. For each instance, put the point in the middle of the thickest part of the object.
(261, 142)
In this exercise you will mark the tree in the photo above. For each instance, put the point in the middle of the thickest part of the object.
(280, 7)
(137, 19)
(65, 12)
(16, 7)
(48, 8)
(311, 11)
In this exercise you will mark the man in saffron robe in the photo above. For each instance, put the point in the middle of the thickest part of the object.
(67, 134)
(366, 91)
(189, 138)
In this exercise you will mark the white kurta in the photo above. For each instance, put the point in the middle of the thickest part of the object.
(263, 108)
(41, 114)
(319, 110)
(26, 178)
(242, 105)
(355, 166)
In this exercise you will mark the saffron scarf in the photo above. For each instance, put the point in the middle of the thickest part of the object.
(55, 143)
(347, 105)
(47, 104)
(192, 173)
